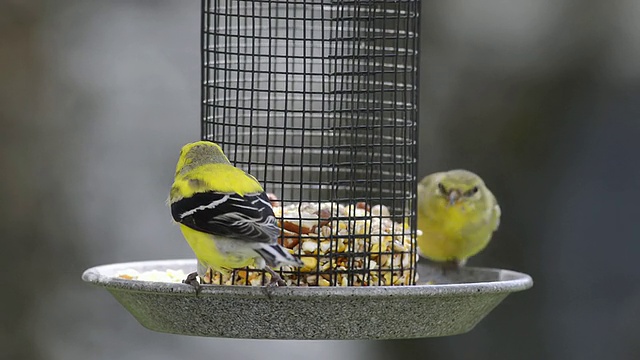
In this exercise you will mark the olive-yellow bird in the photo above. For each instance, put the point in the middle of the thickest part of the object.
(457, 215)
(224, 214)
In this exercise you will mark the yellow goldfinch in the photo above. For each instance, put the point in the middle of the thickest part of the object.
(457, 215)
(224, 214)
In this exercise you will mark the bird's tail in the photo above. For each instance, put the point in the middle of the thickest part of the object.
(276, 255)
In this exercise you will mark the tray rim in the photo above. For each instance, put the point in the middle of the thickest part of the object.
(513, 282)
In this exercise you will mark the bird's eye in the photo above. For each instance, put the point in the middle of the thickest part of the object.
(442, 189)
(472, 191)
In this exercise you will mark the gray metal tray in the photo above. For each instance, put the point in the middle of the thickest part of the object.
(454, 305)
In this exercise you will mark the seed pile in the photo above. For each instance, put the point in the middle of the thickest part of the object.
(169, 275)
(340, 245)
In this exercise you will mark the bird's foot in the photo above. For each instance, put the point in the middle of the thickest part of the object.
(192, 279)
(451, 265)
(276, 280)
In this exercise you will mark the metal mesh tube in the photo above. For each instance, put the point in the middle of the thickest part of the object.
(317, 100)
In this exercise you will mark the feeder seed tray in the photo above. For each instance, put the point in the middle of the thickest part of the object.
(453, 305)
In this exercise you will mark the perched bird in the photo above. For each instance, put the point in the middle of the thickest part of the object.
(457, 215)
(224, 214)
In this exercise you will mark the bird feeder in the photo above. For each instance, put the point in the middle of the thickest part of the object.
(319, 101)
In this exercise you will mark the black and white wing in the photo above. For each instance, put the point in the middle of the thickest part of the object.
(249, 217)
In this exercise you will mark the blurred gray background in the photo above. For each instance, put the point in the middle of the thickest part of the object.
(539, 97)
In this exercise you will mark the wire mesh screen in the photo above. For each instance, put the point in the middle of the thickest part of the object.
(318, 101)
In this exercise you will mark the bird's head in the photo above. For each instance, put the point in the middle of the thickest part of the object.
(199, 153)
(455, 187)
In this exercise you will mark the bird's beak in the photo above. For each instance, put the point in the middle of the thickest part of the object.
(454, 195)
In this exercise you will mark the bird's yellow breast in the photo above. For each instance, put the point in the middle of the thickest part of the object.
(452, 232)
